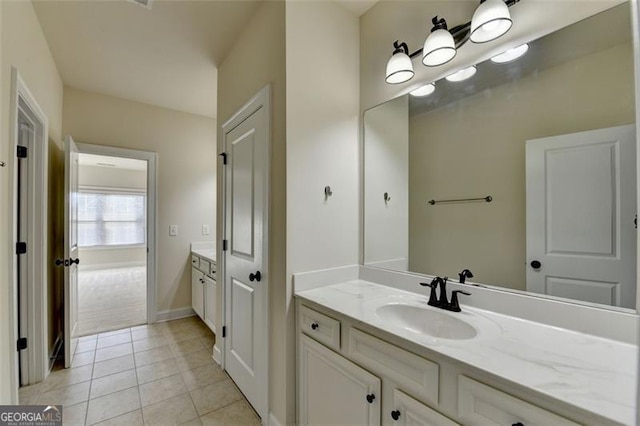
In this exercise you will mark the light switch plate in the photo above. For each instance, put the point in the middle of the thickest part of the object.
(205, 229)
(173, 230)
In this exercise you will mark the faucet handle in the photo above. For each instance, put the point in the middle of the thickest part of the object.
(454, 305)
(433, 298)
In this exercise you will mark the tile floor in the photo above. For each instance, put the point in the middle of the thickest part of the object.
(111, 299)
(160, 374)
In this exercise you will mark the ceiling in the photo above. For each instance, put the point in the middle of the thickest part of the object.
(357, 7)
(165, 56)
(111, 162)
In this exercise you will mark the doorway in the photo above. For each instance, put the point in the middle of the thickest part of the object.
(112, 243)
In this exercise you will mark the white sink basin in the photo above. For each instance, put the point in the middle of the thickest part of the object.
(426, 320)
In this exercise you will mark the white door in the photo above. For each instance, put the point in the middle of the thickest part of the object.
(334, 391)
(245, 276)
(581, 205)
(70, 250)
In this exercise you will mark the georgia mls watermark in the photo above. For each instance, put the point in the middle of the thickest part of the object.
(30, 415)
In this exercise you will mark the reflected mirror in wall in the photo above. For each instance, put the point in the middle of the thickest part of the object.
(550, 137)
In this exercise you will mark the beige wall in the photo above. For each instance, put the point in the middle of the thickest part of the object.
(24, 47)
(255, 60)
(476, 147)
(185, 144)
(322, 147)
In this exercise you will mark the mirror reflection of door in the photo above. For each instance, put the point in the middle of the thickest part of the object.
(581, 204)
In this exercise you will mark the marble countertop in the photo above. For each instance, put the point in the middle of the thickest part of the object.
(208, 254)
(595, 374)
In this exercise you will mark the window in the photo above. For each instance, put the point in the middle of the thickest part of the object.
(110, 218)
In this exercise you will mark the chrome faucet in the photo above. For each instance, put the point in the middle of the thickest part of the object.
(442, 302)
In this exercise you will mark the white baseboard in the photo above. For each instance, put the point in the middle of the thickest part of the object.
(174, 314)
(273, 421)
(217, 354)
(98, 266)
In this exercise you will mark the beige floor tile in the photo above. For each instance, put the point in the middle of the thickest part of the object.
(215, 396)
(162, 389)
(178, 335)
(112, 366)
(151, 343)
(194, 360)
(208, 341)
(89, 345)
(84, 358)
(74, 415)
(118, 339)
(173, 411)
(153, 355)
(133, 418)
(194, 422)
(155, 371)
(109, 352)
(147, 332)
(187, 346)
(29, 394)
(238, 413)
(69, 395)
(65, 377)
(88, 338)
(203, 376)
(115, 332)
(113, 405)
(113, 383)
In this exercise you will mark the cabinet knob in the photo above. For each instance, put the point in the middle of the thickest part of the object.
(315, 326)
(395, 415)
(370, 398)
(257, 276)
(518, 424)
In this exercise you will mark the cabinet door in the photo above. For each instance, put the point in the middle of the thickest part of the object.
(408, 411)
(210, 302)
(197, 291)
(333, 390)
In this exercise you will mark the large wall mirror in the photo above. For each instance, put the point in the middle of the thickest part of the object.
(524, 174)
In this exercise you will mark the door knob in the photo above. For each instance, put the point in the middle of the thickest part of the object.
(72, 261)
(257, 276)
(61, 262)
(535, 264)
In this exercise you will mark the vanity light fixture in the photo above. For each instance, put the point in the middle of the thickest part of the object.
(439, 47)
(462, 74)
(511, 54)
(399, 66)
(490, 21)
(424, 90)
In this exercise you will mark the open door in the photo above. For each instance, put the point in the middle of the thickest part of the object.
(581, 205)
(71, 260)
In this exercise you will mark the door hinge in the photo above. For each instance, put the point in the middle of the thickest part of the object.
(224, 158)
(224, 331)
(22, 151)
(225, 244)
(21, 248)
(22, 343)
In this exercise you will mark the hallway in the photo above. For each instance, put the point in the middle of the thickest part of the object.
(160, 374)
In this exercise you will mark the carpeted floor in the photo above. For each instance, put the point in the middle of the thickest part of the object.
(111, 299)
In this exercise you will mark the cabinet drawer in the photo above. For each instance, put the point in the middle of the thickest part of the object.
(321, 327)
(195, 261)
(408, 411)
(479, 404)
(412, 373)
(205, 265)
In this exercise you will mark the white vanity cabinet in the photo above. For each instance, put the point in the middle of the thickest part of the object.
(203, 289)
(349, 373)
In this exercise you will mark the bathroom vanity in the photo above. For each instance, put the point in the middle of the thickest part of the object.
(203, 284)
(373, 354)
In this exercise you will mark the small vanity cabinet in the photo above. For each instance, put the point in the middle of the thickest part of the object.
(349, 373)
(203, 289)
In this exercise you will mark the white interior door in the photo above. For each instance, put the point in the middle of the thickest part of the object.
(581, 204)
(245, 276)
(70, 250)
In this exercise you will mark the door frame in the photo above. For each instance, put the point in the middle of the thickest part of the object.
(152, 206)
(262, 99)
(37, 241)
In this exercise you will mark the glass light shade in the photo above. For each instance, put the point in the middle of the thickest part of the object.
(462, 74)
(490, 20)
(439, 48)
(511, 54)
(424, 90)
(399, 68)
